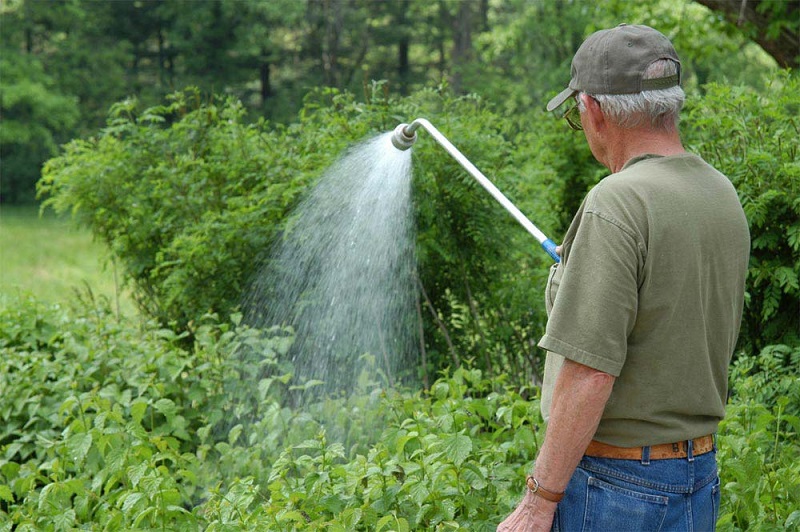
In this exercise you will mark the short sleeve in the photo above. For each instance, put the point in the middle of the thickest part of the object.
(595, 307)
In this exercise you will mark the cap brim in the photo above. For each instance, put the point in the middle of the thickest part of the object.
(562, 97)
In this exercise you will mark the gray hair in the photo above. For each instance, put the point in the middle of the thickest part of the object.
(661, 107)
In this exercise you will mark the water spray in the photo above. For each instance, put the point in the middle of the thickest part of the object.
(404, 136)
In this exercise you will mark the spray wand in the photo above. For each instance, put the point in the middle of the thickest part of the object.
(404, 136)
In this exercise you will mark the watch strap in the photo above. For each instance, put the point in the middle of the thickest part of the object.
(539, 491)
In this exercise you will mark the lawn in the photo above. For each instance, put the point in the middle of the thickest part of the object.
(48, 257)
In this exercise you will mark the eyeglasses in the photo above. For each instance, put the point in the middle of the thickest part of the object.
(573, 117)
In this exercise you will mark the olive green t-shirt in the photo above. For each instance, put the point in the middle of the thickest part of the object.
(650, 289)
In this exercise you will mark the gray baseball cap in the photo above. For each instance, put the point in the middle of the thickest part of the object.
(613, 61)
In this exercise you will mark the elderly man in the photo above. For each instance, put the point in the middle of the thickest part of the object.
(644, 309)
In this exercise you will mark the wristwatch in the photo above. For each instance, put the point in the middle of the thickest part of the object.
(538, 490)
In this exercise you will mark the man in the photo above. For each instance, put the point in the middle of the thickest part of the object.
(644, 309)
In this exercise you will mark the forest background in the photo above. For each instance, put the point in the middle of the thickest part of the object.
(182, 134)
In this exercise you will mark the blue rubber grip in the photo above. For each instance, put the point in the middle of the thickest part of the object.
(550, 247)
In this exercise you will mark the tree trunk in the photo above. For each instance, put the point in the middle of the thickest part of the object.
(333, 29)
(462, 44)
(759, 24)
(484, 16)
(266, 85)
(160, 58)
(403, 66)
(444, 22)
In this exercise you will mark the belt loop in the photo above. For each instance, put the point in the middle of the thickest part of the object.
(690, 450)
(646, 455)
(714, 440)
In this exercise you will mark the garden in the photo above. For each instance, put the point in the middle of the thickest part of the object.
(154, 400)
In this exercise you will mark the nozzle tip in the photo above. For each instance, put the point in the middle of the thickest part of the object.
(401, 139)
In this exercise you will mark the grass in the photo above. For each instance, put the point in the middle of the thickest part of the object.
(51, 259)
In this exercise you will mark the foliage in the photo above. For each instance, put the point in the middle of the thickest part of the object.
(769, 377)
(35, 116)
(118, 425)
(759, 467)
(107, 425)
(479, 269)
(438, 461)
(759, 449)
(189, 198)
(773, 25)
(271, 55)
(752, 138)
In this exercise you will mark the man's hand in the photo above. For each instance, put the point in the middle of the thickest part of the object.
(533, 514)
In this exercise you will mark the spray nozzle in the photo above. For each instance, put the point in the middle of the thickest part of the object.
(402, 138)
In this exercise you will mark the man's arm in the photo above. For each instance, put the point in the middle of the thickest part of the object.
(579, 398)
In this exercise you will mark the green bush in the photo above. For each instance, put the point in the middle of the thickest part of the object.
(759, 459)
(189, 198)
(120, 426)
(186, 195)
(104, 422)
(105, 425)
(759, 450)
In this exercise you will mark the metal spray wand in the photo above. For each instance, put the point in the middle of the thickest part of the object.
(405, 136)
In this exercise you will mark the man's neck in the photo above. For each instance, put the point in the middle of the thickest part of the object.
(629, 143)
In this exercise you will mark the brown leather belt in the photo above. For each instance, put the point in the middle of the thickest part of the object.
(662, 451)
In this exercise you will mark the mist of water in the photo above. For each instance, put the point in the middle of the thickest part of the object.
(342, 275)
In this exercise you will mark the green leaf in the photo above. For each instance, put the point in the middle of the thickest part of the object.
(138, 409)
(384, 521)
(151, 484)
(137, 522)
(234, 434)
(292, 516)
(166, 407)
(64, 520)
(136, 472)
(457, 447)
(474, 475)
(793, 521)
(131, 500)
(418, 492)
(78, 445)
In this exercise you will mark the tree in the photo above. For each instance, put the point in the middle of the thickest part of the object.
(36, 113)
(773, 24)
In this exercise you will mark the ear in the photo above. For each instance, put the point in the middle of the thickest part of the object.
(593, 112)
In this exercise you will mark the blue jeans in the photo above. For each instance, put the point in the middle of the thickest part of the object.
(605, 494)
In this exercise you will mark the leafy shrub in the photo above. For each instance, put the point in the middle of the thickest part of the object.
(189, 198)
(758, 441)
(759, 459)
(186, 195)
(439, 459)
(759, 450)
(769, 377)
(106, 425)
(118, 425)
(479, 269)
